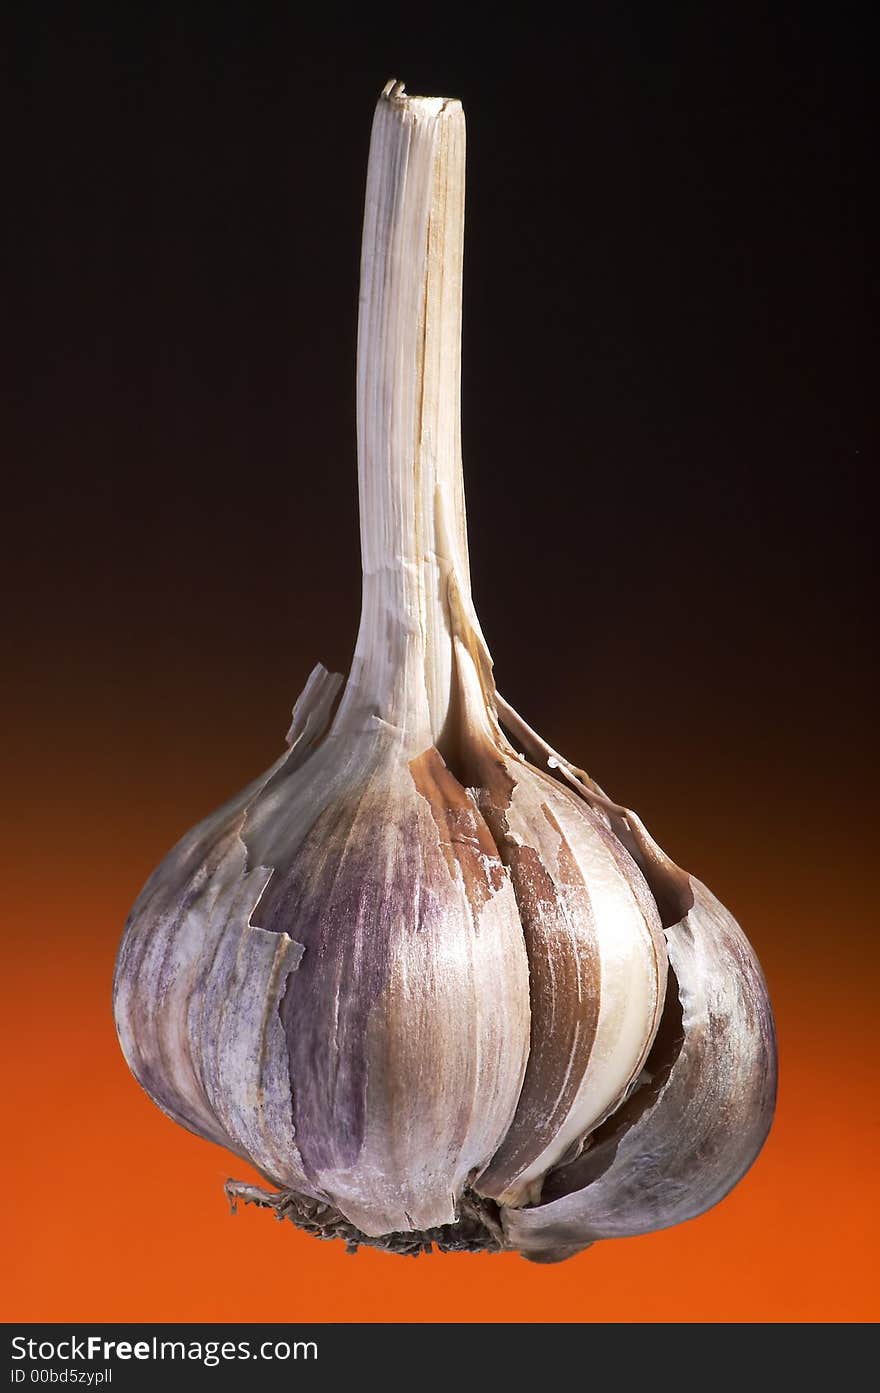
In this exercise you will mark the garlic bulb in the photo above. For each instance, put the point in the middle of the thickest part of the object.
(422, 973)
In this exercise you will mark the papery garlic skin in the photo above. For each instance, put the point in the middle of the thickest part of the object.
(413, 975)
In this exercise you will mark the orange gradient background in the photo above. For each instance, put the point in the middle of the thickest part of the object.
(664, 447)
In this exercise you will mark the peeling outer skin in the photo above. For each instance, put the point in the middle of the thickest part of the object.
(677, 1146)
(184, 1029)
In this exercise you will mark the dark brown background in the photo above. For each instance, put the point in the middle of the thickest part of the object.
(668, 441)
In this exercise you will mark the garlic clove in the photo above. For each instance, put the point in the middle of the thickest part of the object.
(702, 1111)
(407, 1017)
(598, 975)
(190, 1041)
(597, 956)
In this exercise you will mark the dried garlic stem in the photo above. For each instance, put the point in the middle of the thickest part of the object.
(413, 537)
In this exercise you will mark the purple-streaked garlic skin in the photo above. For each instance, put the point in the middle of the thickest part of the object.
(407, 1020)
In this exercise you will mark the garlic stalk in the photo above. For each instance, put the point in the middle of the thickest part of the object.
(423, 973)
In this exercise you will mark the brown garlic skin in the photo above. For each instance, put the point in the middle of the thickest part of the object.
(423, 974)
